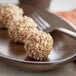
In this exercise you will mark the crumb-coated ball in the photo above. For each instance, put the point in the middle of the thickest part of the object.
(19, 30)
(39, 45)
(8, 13)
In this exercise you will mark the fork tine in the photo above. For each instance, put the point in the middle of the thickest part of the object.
(40, 26)
(39, 20)
(42, 20)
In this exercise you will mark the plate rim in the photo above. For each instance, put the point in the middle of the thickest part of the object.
(67, 59)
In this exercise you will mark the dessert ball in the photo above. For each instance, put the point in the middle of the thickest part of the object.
(39, 45)
(20, 30)
(8, 13)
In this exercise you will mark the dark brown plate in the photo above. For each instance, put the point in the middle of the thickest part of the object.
(64, 49)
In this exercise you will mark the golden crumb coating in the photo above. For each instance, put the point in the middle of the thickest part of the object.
(19, 30)
(39, 45)
(8, 13)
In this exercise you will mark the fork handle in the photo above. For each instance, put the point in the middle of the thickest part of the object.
(68, 32)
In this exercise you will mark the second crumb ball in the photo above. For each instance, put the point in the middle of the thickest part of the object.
(19, 30)
(38, 46)
(8, 13)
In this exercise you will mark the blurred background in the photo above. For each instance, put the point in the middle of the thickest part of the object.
(52, 5)
(63, 8)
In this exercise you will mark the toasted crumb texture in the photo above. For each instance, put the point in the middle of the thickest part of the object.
(38, 45)
(19, 30)
(8, 13)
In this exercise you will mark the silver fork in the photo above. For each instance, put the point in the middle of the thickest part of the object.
(43, 25)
